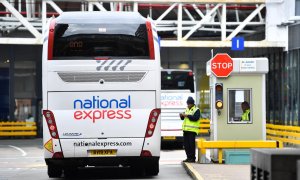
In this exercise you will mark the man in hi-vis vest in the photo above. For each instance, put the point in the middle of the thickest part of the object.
(190, 127)
(246, 111)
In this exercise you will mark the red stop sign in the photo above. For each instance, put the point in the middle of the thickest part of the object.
(221, 65)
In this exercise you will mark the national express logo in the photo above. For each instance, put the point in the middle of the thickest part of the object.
(172, 100)
(97, 108)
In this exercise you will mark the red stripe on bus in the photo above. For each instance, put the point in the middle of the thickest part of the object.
(150, 40)
(101, 58)
(51, 39)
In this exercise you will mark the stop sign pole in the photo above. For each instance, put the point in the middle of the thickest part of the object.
(221, 65)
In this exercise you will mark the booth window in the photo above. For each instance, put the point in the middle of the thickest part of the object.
(239, 106)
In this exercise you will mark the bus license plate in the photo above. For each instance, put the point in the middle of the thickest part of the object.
(106, 152)
(169, 138)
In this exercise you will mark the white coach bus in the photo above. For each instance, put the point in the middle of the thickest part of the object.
(101, 92)
(176, 86)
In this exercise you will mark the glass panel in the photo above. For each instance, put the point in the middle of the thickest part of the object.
(297, 88)
(4, 94)
(24, 110)
(25, 90)
(175, 80)
(78, 41)
(239, 110)
(297, 5)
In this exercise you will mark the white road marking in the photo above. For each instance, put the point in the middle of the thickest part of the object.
(12, 158)
(19, 149)
(38, 165)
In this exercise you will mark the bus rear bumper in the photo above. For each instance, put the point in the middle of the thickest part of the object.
(100, 161)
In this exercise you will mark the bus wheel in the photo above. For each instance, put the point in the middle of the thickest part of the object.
(54, 171)
(152, 168)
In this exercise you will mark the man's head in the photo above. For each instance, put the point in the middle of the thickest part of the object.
(190, 102)
(245, 106)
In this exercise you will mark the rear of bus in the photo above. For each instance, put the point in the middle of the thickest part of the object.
(176, 86)
(101, 92)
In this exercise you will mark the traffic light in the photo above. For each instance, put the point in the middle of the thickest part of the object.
(219, 95)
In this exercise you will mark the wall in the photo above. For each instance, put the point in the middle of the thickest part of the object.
(23, 62)
(227, 131)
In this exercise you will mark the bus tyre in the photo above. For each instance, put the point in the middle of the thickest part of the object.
(54, 171)
(152, 169)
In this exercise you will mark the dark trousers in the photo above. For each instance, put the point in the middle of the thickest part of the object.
(189, 144)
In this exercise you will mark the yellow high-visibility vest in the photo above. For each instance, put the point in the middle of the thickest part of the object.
(245, 115)
(189, 125)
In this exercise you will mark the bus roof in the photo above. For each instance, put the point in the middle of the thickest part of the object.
(101, 18)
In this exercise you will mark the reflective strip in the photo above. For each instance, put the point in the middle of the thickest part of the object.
(196, 127)
(245, 116)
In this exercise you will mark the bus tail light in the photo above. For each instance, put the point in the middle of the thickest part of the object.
(150, 40)
(146, 153)
(51, 123)
(58, 155)
(153, 118)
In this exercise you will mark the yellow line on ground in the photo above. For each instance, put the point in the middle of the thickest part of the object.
(193, 172)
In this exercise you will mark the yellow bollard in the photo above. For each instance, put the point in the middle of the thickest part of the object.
(280, 144)
(220, 155)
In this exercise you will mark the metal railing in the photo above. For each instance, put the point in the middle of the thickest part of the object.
(286, 134)
(187, 23)
(220, 145)
(18, 129)
(204, 126)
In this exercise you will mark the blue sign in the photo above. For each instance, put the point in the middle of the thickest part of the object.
(237, 44)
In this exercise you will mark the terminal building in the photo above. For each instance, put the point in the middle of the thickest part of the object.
(190, 35)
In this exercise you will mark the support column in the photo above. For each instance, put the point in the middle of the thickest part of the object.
(191, 59)
(11, 84)
(38, 90)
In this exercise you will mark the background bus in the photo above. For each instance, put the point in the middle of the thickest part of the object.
(176, 86)
(101, 92)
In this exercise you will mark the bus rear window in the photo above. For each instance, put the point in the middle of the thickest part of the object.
(90, 41)
(177, 80)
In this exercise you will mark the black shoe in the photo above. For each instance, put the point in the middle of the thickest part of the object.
(189, 160)
(186, 160)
